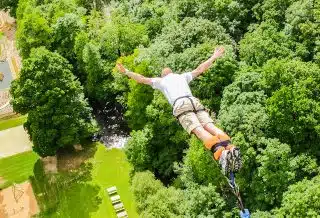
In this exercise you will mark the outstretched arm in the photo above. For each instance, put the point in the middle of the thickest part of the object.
(207, 64)
(137, 77)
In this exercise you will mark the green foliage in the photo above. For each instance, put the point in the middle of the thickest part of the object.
(198, 167)
(167, 144)
(97, 49)
(192, 31)
(80, 42)
(46, 88)
(300, 25)
(203, 201)
(137, 149)
(136, 113)
(98, 73)
(242, 107)
(138, 97)
(22, 5)
(162, 141)
(155, 200)
(34, 31)
(272, 10)
(265, 92)
(121, 37)
(231, 14)
(10, 5)
(91, 4)
(53, 24)
(152, 14)
(129, 36)
(143, 185)
(54, 9)
(271, 180)
(294, 103)
(264, 42)
(302, 199)
(65, 31)
(164, 203)
(245, 114)
(261, 214)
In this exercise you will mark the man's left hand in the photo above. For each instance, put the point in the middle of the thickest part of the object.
(218, 52)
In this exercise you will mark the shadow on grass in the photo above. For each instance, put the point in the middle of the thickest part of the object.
(68, 193)
(69, 159)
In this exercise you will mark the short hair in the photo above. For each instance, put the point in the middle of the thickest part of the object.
(166, 71)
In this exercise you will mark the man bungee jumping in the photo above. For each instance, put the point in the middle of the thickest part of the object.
(191, 113)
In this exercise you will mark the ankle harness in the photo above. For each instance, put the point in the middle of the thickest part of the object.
(220, 144)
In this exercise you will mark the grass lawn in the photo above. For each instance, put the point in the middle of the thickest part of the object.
(75, 193)
(13, 122)
(81, 192)
(17, 168)
(112, 169)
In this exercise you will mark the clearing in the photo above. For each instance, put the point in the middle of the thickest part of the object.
(78, 191)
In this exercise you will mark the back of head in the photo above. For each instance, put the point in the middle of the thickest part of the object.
(166, 71)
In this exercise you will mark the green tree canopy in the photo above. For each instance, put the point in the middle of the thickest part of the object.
(263, 42)
(265, 92)
(65, 32)
(34, 31)
(302, 199)
(144, 185)
(10, 5)
(58, 114)
(294, 103)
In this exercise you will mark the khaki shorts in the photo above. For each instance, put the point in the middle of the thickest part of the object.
(191, 120)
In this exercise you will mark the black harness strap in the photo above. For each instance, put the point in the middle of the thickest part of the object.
(175, 101)
(186, 112)
(220, 144)
(189, 111)
(194, 108)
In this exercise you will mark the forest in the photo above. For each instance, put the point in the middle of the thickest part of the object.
(264, 92)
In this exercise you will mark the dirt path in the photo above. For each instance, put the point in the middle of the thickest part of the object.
(18, 202)
(13, 141)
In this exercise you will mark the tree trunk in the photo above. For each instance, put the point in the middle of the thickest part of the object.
(78, 147)
(50, 164)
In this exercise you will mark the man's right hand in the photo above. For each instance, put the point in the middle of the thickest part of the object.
(121, 68)
(135, 76)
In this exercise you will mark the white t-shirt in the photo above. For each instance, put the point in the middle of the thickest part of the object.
(173, 85)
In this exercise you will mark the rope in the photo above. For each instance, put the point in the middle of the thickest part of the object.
(234, 187)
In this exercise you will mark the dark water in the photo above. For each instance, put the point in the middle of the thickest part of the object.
(114, 130)
(5, 69)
